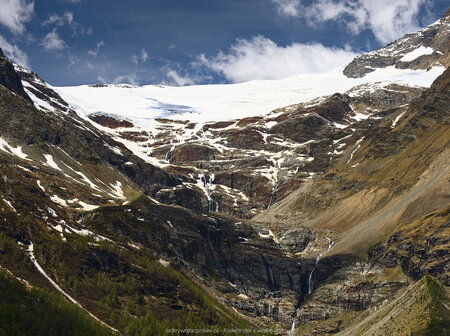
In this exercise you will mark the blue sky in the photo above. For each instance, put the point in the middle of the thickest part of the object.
(182, 42)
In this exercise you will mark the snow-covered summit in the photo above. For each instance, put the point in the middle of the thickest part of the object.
(423, 49)
(205, 103)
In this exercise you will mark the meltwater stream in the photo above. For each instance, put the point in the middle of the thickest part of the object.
(310, 283)
(206, 184)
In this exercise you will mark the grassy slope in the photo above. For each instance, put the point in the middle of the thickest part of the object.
(421, 310)
(38, 312)
(420, 247)
(125, 287)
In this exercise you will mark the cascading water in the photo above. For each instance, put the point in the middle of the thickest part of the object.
(273, 170)
(310, 284)
(207, 186)
(274, 190)
(291, 332)
(168, 155)
(213, 206)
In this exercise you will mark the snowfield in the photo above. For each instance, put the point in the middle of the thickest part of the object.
(204, 103)
(416, 53)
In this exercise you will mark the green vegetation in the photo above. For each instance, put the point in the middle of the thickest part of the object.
(127, 289)
(146, 300)
(419, 310)
(439, 309)
(38, 312)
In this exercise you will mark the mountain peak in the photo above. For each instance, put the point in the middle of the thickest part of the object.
(10, 79)
(423, 49)
(446, 16)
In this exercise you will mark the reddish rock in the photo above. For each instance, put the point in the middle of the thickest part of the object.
(110, 122)
(170, 121)
(192, 152)
(135, 136)
(247, 138)
(219, 124)
(252, 185)
(247, 121)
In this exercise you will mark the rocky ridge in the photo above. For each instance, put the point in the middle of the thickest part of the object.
(420, 50)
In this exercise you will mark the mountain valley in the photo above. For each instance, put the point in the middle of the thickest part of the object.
(317, 206)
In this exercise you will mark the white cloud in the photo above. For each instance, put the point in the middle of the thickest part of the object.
(390, 19)
(52, 41)
(387, 19)
(142, 57)
(84, 31)
(261, 58)
(134, 59)
(288, 7)
(98, 46)
(123, 79)
(14, 53)
(73, 60)
(15, 13)
(67, 18)
(178, 79)
(126, 79)
(55, 19)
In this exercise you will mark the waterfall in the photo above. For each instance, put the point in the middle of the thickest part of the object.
(213, 206)
(168, 154)
(274, 190)
(206, 184)
(291, 332)
(274, 171)
(310, 284)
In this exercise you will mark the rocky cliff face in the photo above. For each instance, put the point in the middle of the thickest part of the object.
(421, 50)
(9, 78)
(419, 248)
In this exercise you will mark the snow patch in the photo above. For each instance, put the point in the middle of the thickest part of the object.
(86, 206)
(17, 151)
(411, 56)
(358, 145)
(164, 262)
(51, 162)
(88, 181)
(9, 204)
(58, 200)
(269, 235)
(40, 185)
(118, 190)
(395, 121)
